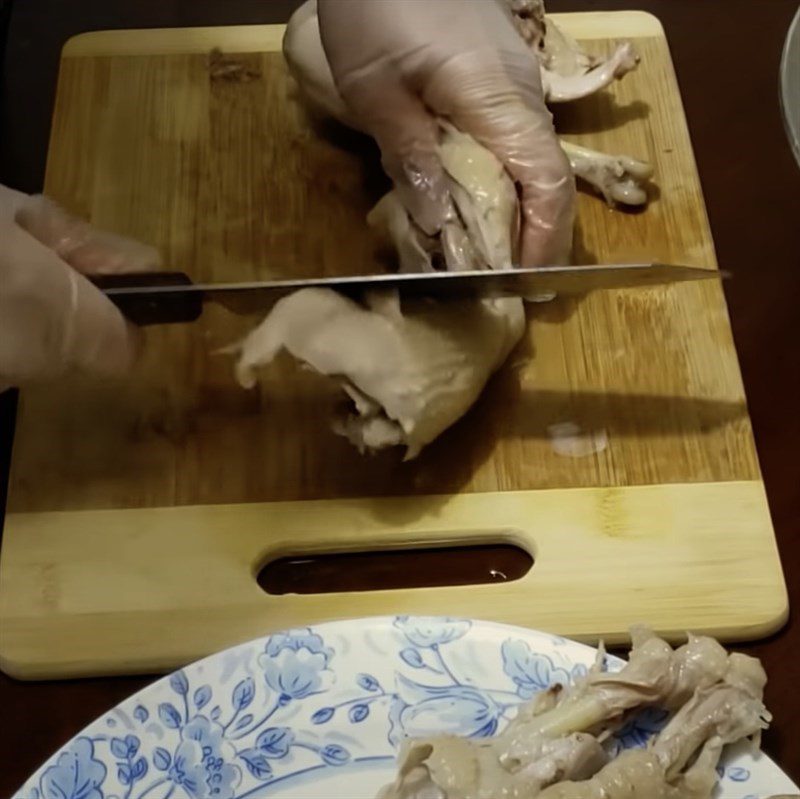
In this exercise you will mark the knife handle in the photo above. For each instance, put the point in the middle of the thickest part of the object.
(151, 307)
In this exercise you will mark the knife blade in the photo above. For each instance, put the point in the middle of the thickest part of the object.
(171, 297)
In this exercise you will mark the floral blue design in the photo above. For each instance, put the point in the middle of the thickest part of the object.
(130, 769)
(430, 631)
(295, 664)
(423, 710)
(77, 774)
(530, 671)
(638, 730)
(296, 704)
(295, 640)
(203, 762)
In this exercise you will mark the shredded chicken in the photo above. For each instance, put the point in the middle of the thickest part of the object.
(553, 748)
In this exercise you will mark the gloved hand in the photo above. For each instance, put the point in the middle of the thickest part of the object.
(400, 63)
(52, 318)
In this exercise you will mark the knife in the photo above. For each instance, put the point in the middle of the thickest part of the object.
(153, 298)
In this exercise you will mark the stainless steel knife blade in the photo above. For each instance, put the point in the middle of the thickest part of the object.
(162, 298)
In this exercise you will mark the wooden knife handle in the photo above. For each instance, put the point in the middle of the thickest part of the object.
(152, 308)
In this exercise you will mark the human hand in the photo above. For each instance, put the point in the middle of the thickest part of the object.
(52, 319)
(399, 65)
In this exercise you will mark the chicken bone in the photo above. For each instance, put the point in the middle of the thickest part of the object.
(716, 715)
(619, 178)
(568, 71)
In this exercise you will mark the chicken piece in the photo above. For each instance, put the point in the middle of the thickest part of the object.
(530, 21)
(568, 73)
(456, 768)
(556, 49)
(411, 374)
(485, 197)
(414, 248)
(567, 67)
(484, 234)
(557, 735)
(654, 675)
(566, 88)
(728, 710)
(716, 715)
(558, 52)
(619, 178)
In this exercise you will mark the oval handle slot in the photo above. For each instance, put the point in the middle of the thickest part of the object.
(381, 570)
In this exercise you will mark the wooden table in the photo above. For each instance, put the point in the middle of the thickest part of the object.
(727, 64)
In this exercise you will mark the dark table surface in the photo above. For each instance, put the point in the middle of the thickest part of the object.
(726, 55)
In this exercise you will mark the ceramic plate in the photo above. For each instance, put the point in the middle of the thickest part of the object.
(318, 712)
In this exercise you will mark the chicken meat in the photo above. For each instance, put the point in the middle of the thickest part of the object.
(554, 748)
(619, 178)
(568, 73)
(412, 369)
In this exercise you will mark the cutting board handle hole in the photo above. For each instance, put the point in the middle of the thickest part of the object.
(381, 570)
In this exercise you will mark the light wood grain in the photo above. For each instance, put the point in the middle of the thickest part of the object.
(232, 181)
(258, 38)
(110, 591)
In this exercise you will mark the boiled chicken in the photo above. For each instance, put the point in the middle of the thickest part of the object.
(568, 73)
(619, 178)
(554, 748)
(410, 370)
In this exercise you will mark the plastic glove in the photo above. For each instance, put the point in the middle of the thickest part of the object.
(52, 319)
(398, 64)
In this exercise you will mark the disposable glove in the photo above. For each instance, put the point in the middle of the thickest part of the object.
(52, 319)
(400, 64)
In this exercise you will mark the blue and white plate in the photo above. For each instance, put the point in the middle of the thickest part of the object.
(318, 712)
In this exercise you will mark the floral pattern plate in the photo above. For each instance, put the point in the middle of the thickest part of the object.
(318, 712)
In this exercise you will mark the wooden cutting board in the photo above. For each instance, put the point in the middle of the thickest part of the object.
(141, 511)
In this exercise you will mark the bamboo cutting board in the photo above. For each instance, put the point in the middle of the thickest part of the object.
(139, 512)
